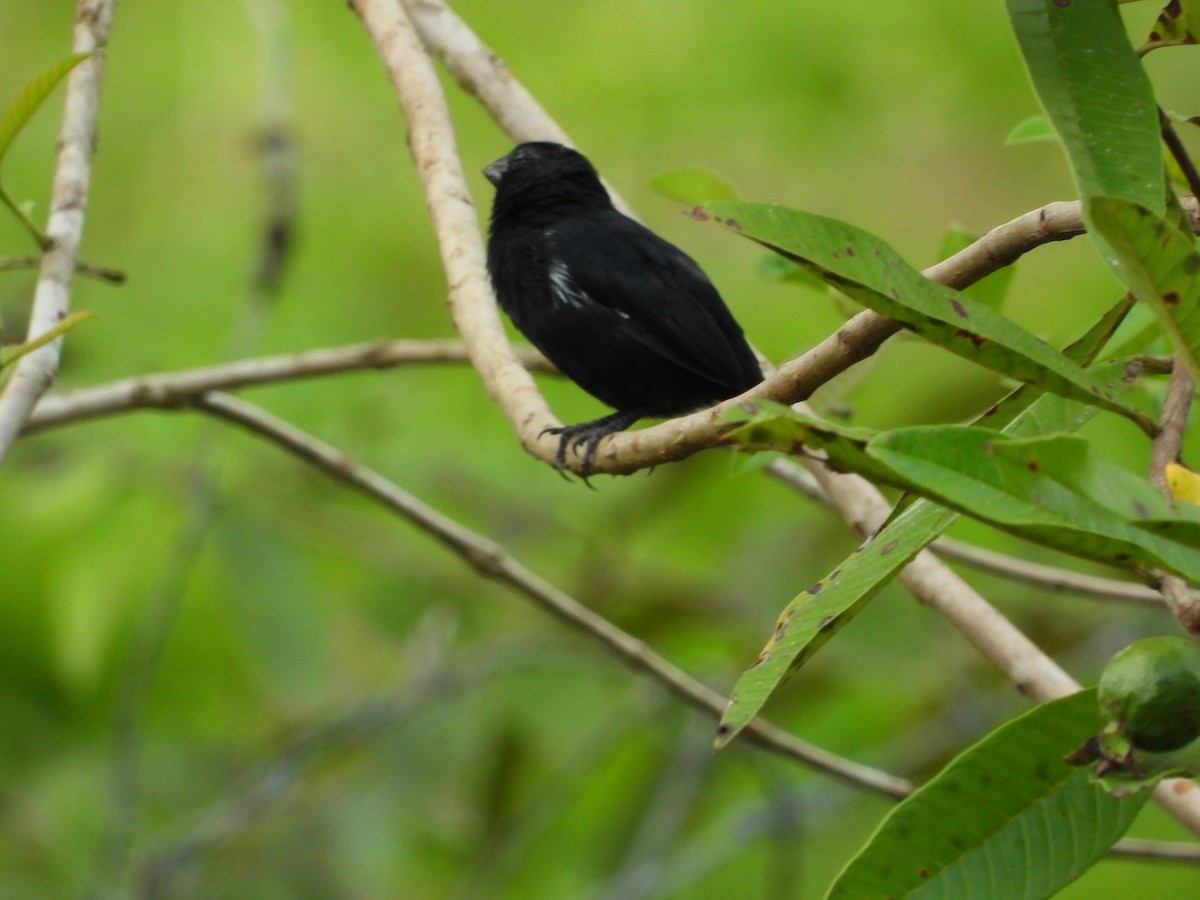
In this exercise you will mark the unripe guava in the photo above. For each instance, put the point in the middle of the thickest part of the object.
(1151, 691)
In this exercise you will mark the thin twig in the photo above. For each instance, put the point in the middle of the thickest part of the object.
(1165, 449)
(491, 561)
(1137, 848)
(1049, 577)
(483, 75)
(1179, 153)
(164, 390)
(52, 295)
(100, 273)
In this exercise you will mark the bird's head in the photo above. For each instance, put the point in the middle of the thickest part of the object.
(545, 175)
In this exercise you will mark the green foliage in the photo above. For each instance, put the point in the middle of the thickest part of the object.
(1161, 264)
(1097, 95)
(1031, 130)
(338, 708)
(872, 273)
(1102, 105)
(1008, 819)
(12, 353)
(817, 614)
(16, 116)
(1054, 490)
(30, 98)
(1178, 23)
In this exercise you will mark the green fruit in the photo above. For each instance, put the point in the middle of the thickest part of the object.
(1151, 691)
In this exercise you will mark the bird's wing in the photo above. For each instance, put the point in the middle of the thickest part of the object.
(653, 291)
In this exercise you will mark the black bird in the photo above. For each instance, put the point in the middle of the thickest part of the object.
(627, 316)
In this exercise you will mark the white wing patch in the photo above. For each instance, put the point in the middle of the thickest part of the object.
(566, 294)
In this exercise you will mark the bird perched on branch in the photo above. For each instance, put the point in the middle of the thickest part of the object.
(627, 316)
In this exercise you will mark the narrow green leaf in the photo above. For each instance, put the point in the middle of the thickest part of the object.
(1008, 819)
(1053, 490)
(1181, 118)
(694, 186)
(31, 96)
(871, 272)
(818, 613)
(14, 352)
(1097, 95)
(1161, 264)
(1027, 131)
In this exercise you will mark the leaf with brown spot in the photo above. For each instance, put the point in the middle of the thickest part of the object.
(1007, 818)
(1178, 23)
(1056, 490)
(1159, 263)
(876, 276)
(908, 531)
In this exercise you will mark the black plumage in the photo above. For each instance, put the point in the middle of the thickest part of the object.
(627, 316)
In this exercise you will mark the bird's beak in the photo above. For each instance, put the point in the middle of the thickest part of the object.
(496, 170)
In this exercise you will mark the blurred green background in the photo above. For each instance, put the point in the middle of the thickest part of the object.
(341, 709)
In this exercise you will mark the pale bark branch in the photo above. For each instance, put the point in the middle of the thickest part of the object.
(491, 561)
(1165, 449)
(52, 295)
(483, 75)
(163, 390)
(431, 140)
(455, 224)
(1050, 578)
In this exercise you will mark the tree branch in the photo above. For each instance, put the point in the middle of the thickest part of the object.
(491, 561)
(165, 390)
(473, 305)
(52, 295)
(1165, 449)
(484, 76)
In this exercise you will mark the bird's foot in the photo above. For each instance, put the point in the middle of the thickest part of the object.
(587, 435)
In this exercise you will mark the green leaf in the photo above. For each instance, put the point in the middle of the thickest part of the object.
(869, 271)
(809, 621)
(1028, 131)
(990, 290)
(694, 186)
(1008, 819)
(1181, 118)
(1054, 490)
(31, 97)
(818, 613)
(1097, 95)
(1178, 23)
(14, 352)
(1161, 264)
(773, 267)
